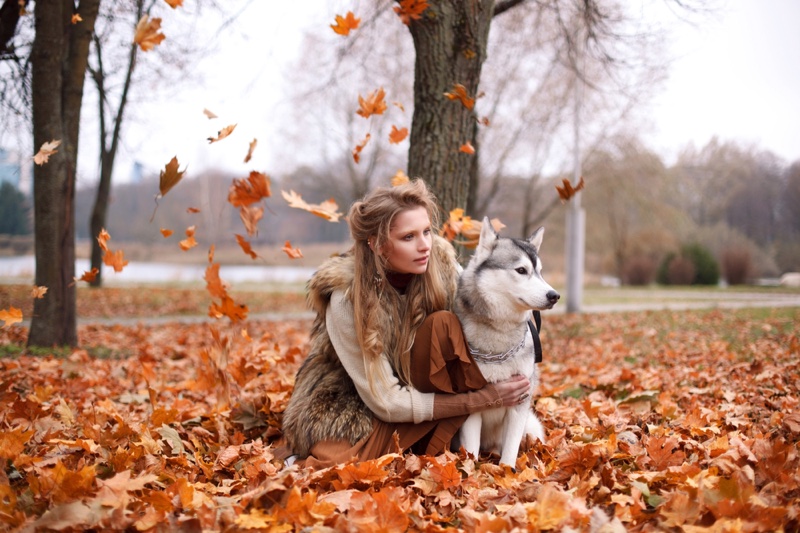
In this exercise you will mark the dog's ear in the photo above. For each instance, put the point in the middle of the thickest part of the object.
(536, 238)
(487, 239)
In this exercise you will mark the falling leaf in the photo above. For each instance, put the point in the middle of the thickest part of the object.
(88, 276)
(250, 216)
(148, 33)
(38, 292)
(409, 10)
(170, 176)
(245, 245)
(293, 253)
(209, 114)
(221, 134)
(399, 178)
(227, 307)
(250, 150)
(396, 136)
(174, 3)
(44, 153)
(359, 147)
(485, 121)
(568, 191)
(189, 242)
(192, 210)
(399, 106)
(244, 192)
(214, 285)
(76, 18)
(345, 24)
(166, 232)
(460, 93)
(373, 104)
(102, 239)
(326, 209)
(11, 316)
(467, 148)
(115, 259)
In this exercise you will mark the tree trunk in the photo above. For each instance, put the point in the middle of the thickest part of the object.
(450, 40)
(59, 58)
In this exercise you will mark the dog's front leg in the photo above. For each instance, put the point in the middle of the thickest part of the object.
(470, 434)
(513, 431)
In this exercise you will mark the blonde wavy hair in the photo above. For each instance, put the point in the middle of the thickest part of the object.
(376, 306)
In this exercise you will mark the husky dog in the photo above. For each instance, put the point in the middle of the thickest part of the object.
(497, 291)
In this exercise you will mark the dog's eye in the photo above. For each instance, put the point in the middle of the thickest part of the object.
(522, 270)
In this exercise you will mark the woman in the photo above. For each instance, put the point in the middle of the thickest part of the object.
(388, 366)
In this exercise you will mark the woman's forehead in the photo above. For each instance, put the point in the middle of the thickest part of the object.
(413, 218)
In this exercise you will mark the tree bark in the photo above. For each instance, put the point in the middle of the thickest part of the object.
(59, 59)
(450, 40)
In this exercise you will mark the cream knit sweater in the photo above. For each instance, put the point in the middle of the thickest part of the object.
(387, 398)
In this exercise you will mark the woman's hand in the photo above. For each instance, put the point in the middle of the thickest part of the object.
(514, 390)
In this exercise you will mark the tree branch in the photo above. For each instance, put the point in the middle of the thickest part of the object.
(504, 5)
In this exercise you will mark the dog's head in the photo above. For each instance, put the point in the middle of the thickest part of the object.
(508, 272)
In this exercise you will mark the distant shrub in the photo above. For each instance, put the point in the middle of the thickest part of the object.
(736, 265)
(639, 270)
(694, 265)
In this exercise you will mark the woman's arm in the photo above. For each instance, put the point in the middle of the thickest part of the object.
(387, 398)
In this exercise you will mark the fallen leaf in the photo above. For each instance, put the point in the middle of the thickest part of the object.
(166, 232)
(11, 316)
(221, 134)
(245, 245)
(568, 191)
(397, 136)
(148, 33)
(373, 104)
(345, 23)
(326, 209)
(359, 147)
(44, 153)
(460, 93)
(250, 150)
(38, 292)
(293, 253)
(409, 10)
(170, 176)
(467, 148)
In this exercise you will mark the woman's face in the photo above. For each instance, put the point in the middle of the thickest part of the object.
(409, 246)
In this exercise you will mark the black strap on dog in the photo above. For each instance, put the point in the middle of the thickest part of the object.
(537, 343)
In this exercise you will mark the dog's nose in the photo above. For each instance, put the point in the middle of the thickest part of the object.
(553, 297)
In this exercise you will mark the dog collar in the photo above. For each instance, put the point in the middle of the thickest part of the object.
(497, 358)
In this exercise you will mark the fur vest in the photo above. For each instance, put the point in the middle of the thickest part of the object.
(325, 404)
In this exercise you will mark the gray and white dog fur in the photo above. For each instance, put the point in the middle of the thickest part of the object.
(500, 286)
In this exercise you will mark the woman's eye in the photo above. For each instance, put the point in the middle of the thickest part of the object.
(522, 270)
(427, 231)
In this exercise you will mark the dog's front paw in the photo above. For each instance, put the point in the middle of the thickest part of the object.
(533, 429)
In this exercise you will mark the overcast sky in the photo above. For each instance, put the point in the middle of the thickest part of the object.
(736, 76)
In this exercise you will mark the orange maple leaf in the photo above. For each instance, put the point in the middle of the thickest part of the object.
(245, 246)
(174, 3)
(214, 285)
(293, 253)
(170, 176)
(250, 216)
(38, 292)
(460, 93)
(243, 192)
(227, 307)
(76, 18)
(345, 23)
(11, 316)
(467, 148)
(189, 241)
(250, 150)
(568, 191)
(88, 276)
(166, 232)
(373, 104)
(47, 149)
(102, 239)
(326, 209)
(192, 210)
(397, 136)
(399, 178)
(148, 33)
(409, 10)
(115, 259)
(359, 147)
(221, 134)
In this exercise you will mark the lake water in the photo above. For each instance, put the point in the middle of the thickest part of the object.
(24, 268)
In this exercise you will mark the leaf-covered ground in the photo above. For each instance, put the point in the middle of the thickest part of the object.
(673, 421)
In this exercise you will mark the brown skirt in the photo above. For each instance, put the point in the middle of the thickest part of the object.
(440, 362)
